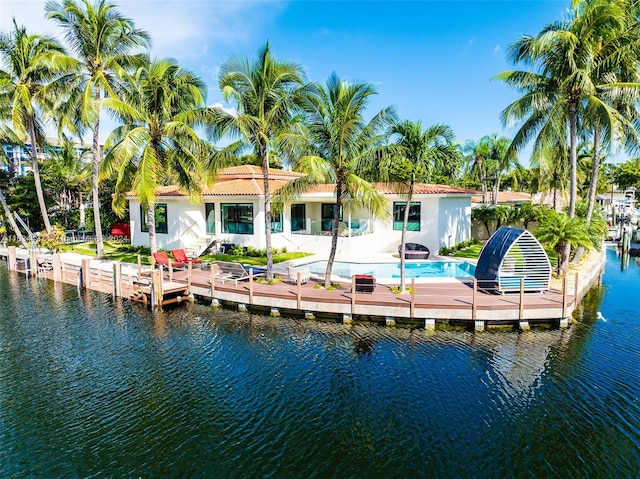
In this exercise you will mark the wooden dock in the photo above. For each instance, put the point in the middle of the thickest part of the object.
(450, 301)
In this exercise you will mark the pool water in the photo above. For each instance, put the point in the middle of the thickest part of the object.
(420, 269)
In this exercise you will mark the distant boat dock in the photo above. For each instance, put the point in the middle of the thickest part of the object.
(451, 302)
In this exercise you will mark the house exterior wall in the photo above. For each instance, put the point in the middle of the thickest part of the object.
(454, 221)
(443, 221)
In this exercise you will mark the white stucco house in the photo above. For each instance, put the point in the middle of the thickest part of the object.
(232, 212)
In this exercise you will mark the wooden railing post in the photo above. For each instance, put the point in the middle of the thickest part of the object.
(564, 295)
(12, 257)
(85, 273)
(117, 280)
(413, 298)
(575, 289)
(157, 293)
(521, 310)
(57, 267)
(353, 294)
(33, 263)
(212, 280)
(189, 267)
(299, 291)
(474, 306)
(250, 285)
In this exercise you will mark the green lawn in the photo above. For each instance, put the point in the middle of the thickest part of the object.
(129, 254)
(473, 252)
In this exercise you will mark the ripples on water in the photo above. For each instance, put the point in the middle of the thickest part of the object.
(91, 387)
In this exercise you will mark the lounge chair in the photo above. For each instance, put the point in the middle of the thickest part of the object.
(415, 251)
(305, 274)
(161, 259)
(181, 256)
(228, 271)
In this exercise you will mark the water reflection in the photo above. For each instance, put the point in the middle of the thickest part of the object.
(92, 386)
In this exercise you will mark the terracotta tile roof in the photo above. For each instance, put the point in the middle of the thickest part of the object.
(252, 171)
(246, 180)
(504, 197)
(419, 188)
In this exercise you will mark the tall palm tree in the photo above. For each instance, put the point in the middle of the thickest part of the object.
(489, 159)
(31, 66)
(563, 82)
(341, 145)
(421, 152)
(67, 176)
(8, 137)
(265, 93)
(103, 39)
(161, 112)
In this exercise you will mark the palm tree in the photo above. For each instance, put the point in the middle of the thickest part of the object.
(559, 230)
(32, 65)
(67, 175)
(340, 146)
(564, 84)
(265, 93)
(420, 153)
(103, 39)
(488, 159)
(7, 137)
(160, 114)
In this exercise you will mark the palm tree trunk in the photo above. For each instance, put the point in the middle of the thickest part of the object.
(334, 231)
(403, 238)
(573, 157)
(36, 174)
(595, 168)
(593, 184)
(151, 226)
(95, 168)
(11, 221)
(264, 150)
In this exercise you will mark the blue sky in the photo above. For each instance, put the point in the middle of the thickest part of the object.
(433, 60)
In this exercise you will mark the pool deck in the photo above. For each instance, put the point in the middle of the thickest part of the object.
(448, 301)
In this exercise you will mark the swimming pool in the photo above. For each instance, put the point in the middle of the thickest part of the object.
(422, 269)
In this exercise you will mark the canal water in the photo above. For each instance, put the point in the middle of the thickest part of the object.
(92, 387)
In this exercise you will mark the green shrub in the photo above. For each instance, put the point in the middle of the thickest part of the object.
(52, 240)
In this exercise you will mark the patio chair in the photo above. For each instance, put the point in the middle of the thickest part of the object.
(415, 251)
(228, 271)
(161, 259)
(181, 256)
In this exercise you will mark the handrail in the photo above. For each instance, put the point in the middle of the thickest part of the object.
(24, 225)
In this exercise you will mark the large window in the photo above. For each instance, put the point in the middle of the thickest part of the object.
(298, 217)
(276, 222)
(237, 218)
(161, 219)
(399, 208)
(210, 215)
(328, 212)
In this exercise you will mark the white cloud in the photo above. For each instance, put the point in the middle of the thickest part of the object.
(230, 111)
(497, 49)
(178, 29)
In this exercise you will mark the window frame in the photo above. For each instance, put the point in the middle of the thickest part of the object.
(237, 214)
(144, 227)
(398, 215)
(303, 207)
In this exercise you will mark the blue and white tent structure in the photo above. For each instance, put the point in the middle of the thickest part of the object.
(510, 257)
